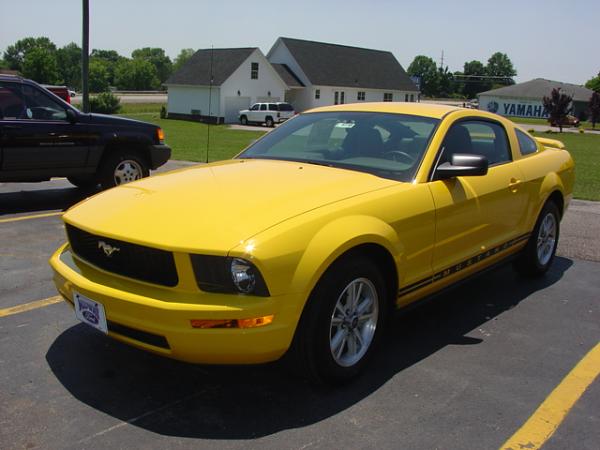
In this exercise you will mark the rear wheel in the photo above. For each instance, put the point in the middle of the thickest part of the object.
(538, 254)
(342, 322)
(122, 167)
(269, 122)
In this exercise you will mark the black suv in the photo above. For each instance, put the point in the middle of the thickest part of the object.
(42, 136)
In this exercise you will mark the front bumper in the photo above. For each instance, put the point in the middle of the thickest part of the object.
(157, 319)
(159, 154)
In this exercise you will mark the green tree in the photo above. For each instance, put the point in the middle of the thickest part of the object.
(40, 65)
(445, 82)
(184, 55)
(558, 106)
(500, 65)
(474, 85)
(68, 59)
(595, 108)
(15, 54)
(425, 68)
(156, 57)
(136, 74)
(110, 58)
(98, 76)
(594, 83)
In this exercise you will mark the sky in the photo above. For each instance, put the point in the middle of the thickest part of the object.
(551, 39)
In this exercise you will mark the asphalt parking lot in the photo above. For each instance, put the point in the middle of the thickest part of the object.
(464, 372)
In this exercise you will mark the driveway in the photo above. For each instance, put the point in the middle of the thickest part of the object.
(462, 372)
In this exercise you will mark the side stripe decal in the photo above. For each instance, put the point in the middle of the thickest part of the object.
(462, 265)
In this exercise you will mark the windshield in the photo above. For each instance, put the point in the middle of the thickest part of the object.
(387, 145)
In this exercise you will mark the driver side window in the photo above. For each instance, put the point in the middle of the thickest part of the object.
(477, 137)
(40, 106)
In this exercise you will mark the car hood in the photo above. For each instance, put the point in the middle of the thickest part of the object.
(105, 119)
(213, 208)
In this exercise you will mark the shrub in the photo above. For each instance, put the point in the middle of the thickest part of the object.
(105, 103)
(581, 130)
(531, 130)
(163, 112)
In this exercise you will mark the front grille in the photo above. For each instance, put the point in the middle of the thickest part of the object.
(123, 258)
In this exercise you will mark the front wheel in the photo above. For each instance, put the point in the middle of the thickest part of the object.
(342, 322)
(244, 120)
(538, 254)
(120, 168)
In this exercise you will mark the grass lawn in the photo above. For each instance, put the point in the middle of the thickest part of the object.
(188, 139)
(585, 149)
(533, 121)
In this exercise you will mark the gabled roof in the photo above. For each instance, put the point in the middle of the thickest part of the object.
(540, 87)
(287, 75)
(339, 65)
(196, 71)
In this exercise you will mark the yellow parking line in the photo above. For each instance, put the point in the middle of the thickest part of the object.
(547, 418)
(29, 306)
(33, 216)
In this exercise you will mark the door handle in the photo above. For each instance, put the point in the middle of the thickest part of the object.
(513, 185)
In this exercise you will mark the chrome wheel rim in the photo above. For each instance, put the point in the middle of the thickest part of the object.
(546, 239)
(126, 171)
(353, 322)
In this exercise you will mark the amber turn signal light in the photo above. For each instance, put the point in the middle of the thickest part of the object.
(232, 323)
(160, 134)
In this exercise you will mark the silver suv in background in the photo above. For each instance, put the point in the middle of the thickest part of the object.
(267, 113)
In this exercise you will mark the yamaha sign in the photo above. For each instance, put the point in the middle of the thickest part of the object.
(513, 107)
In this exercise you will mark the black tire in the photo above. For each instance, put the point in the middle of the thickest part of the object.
(311, 351)
(120, 167)
(83, 182)
(244, 120)
(538, 255)
(269, 122)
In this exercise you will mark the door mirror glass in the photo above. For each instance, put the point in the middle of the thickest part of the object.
(71, 116)
(462, 165)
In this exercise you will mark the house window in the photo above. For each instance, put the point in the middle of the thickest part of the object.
(317, 94)
(405, 97)
(388, 97)
(360, 96)
(254, 71)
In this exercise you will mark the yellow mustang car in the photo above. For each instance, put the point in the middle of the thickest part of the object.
(305, 242)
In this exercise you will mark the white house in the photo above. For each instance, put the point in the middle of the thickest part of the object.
(240, 77)
(331, 74)
(306, 74)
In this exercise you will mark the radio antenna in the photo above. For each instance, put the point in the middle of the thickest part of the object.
(209, 102)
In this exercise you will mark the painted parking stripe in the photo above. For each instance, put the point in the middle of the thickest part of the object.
(547, 418)
(33, 216)
(29, 306)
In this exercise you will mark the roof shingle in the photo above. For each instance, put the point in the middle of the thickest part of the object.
(339, 65)
(540, 87)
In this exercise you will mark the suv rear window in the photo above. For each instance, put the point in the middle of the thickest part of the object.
(285, 107)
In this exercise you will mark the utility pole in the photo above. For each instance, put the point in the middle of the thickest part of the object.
(85, 56)
(442, 60)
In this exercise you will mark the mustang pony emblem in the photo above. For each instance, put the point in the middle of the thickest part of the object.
(107, 248)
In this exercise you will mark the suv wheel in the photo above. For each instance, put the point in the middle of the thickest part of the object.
(269, 122)
(120, 168)
(244, 120)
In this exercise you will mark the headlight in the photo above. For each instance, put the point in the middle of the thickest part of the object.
(228, 275)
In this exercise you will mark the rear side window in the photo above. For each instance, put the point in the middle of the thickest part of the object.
(12, 105)
(285, 107)
(272, 107)
(526, 144)
(477, 138)
(40, 106)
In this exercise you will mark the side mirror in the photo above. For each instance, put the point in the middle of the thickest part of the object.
(71, 116)
(462, 165)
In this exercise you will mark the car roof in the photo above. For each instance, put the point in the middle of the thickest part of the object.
(416, 109)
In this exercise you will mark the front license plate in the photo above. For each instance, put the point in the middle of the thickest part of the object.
(90, 312)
